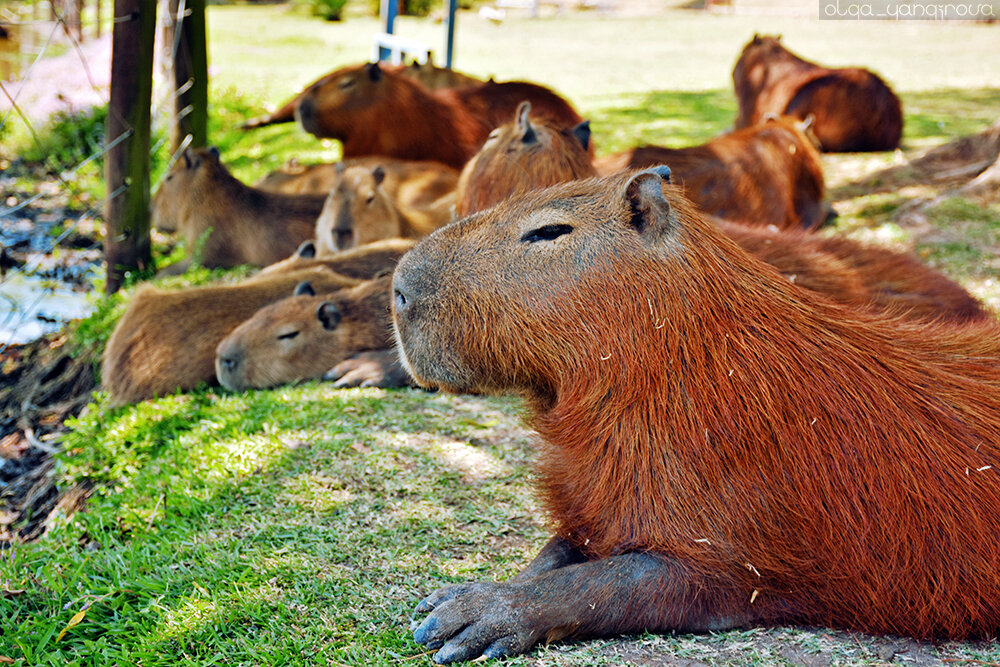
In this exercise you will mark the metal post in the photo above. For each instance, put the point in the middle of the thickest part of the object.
(450, 44)
(389, 10)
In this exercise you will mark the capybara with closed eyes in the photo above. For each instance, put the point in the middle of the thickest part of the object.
(720, 448)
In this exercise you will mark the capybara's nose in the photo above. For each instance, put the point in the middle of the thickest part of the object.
(400, 298)
(305, 113)
(229, 362)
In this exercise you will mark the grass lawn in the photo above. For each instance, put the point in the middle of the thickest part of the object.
(302, 525)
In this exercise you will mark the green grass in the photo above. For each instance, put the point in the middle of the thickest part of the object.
(301, 525)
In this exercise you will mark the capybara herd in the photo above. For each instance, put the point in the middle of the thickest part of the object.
(742, 421)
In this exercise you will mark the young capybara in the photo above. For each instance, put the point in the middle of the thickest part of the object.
(720, 448)
(303, 336)
(361, 263)
(245, 225)
(768, 174)
(374, 111)
(359, 210)
(413, 183)
(166, 340)
(428, 75)
(523, 155)
(854, 109)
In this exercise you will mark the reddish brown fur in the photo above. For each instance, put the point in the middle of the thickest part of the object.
(378, 112)
(720, 447)
(248, 225)
(854, 109)
(521, 155)
(769, 174)
(289, 341)
(166, 340)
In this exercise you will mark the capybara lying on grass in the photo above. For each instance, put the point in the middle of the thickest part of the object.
(304, 336)
(361, 263)
(373, 111)
(409, 182)
(244, 225)
(720, 448)
(768, 174)
(523, 155)
(854, 109)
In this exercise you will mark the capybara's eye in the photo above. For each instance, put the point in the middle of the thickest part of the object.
(546, 233)
(288, 336)
(346, 83)
(370, 199)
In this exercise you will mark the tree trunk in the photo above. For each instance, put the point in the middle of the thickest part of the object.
(190, 65)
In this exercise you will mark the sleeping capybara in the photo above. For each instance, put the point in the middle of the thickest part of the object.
(245, 225)
(166, 340)
(428, 75)
(522, 155)
(303, 336)
(362, 263)
(720, 448)
(410, 182)
(359, 210)
(854, 109)
(374, 111)
(768, 174)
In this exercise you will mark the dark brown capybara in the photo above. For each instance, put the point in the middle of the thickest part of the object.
(245, 225)
(166, 340)
(521, 155)
(361, 263)
(373, 111)
(304, 336)
(428, 75)
(720, 448)
(854, 109)
(768, 174)
(414, 183)
(359, 210)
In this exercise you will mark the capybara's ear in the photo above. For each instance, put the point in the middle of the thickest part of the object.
(339, 168)
(328, 315)
(378, 173)
(190, 159)
(307, 249)
(214, 152)
(651, 213)
(304, 288)
(524, 127)
(374, 71)
(582, 133)
(756, 38)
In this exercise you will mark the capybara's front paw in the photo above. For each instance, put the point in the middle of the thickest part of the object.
(380, 368)
(465, 621)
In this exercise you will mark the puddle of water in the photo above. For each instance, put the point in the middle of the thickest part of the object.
(31, 307)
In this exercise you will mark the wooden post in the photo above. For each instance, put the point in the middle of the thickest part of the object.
(97, 18)
(126, 166)
(190, 65)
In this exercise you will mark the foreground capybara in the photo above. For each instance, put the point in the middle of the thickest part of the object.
(854, 109)
(166, 340)
(768, 174)
(245, 225)
(523, 155)
(361, 263)
(409, 182)
(303, 336)
(428, 75)
(720, 448)
(359, 210)
(374, 111)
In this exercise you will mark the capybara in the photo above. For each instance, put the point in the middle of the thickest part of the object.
(522, 155)
(245, 225)
(720, 448)
(166, 340)
(374, 111)
(303, 336)
(854, 109)
(358, 211)
(429, 75)
(409, 182)
(361, 263)
(768, 174)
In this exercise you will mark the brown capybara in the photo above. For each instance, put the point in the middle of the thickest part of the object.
(854, 109)
(374, 111)
(303, 336)
(428, 75)
(244, 225)
(768, 174)
(522, 155)
(410, 182)
(361, 263)
(358, 211)
(166, 340)
(720, 448)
